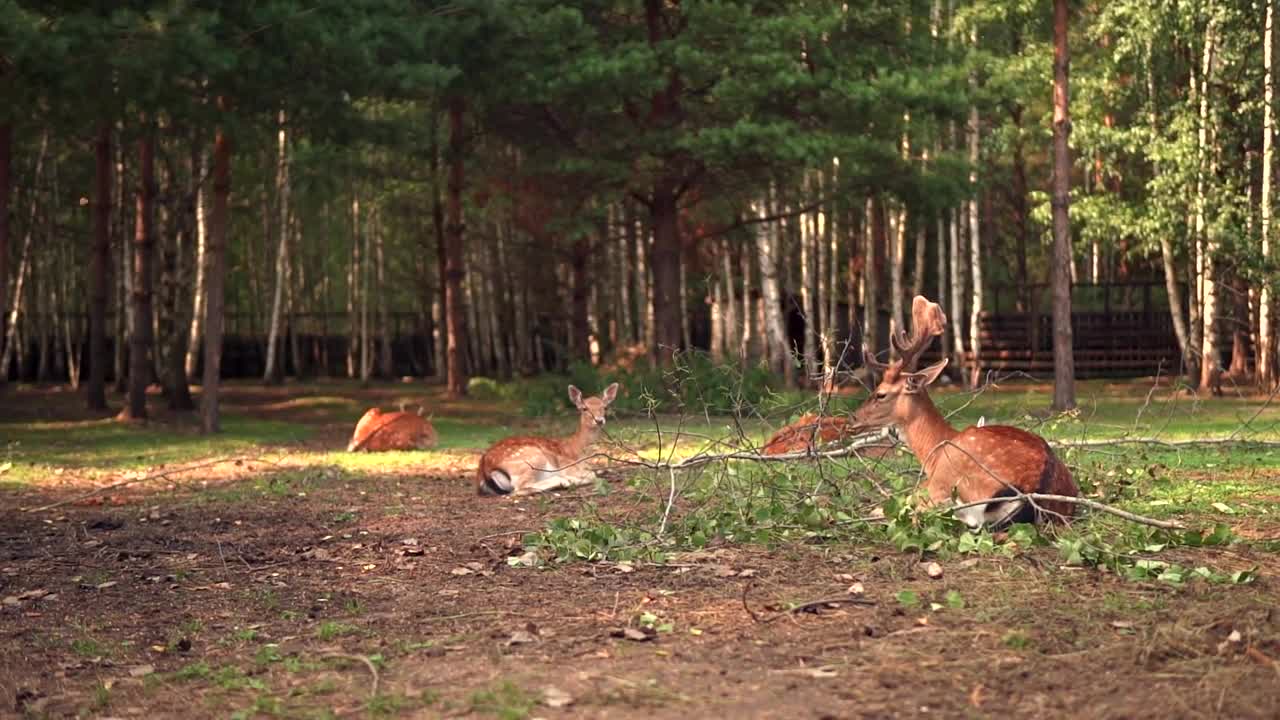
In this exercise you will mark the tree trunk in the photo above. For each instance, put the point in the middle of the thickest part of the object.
(746, 255)
(124, 289)
(957, 290)
(11, 347)
(6, 184)
(99, 263)
(140, 338)
(808, 293)
(732, 328)
(353, 289)
(366, 262)
(665, 263)
(295, 287)
(580, 327)
(775, 335)
(273, 374)
(386, 368)
(455, 317)
(1064, 367)
(1206, 245)
(215, 278)
(199, 166)
(975, 239)
(874, 235)
(1266, 350)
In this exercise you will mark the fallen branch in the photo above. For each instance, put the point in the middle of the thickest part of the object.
(146, 478)
(802, 607)
(859, 442)
(1093, 504)
(1230, 440)
(373, 669)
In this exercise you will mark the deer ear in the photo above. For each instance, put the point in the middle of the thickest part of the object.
(609, 394)
(918, 381)
(575, 396)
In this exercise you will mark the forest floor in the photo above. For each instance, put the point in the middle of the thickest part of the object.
(287, 579)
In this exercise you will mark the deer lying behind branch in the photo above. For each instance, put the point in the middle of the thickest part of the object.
(525, 465)
(800, 435)
(378, 431)
(977, 463)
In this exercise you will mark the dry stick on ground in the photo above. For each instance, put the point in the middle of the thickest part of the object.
(373, 669)
(802, 607)
(150, 477)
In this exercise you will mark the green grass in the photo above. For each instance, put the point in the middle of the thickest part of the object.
(505, 701)
(39, 449)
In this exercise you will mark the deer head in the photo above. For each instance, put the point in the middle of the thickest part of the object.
(901, 389)
(593, 408)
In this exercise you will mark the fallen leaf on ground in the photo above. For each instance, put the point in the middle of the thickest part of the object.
(934, 570)
(141, 670)
(821, 672)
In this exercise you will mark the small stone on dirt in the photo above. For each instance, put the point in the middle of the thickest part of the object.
(554, 697)
(141, 670)
(934, 570)
(521, 637)
(856, 589)
(461, 571)
(634, 634)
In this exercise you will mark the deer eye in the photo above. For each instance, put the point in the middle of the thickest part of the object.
(881, 396)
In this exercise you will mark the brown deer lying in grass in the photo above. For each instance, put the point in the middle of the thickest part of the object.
(525, 465)
(977, 463)
(799, 436)
(378, 431)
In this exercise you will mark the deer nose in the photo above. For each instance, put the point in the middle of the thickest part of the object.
(599, 421)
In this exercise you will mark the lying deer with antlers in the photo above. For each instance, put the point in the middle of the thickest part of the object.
(977, 463)
(525, 465)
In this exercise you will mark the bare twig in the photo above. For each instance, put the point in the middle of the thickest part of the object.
(373, 669)
(147, 478)
(1094, 504)
(802, 607)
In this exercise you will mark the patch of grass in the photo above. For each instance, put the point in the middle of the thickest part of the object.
(268, 654)
(194, 671)
(330, 629)
(1015, 640)
(36, 449)
(506, 701)
(101, 698)
(90, 647)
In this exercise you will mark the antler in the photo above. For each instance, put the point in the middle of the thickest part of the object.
(870, 361)
(927, 322)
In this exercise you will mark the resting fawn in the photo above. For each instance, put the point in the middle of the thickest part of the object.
(977, 463)
(378, 431)
(525, 465)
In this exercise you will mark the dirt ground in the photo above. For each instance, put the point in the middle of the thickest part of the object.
(308, 592)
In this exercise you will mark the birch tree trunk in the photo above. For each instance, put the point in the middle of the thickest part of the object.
(6, 189)
(746, 348)
(975, 240)
(124, 290)
(1064, 368)
(215, 279)
(775, 335)
(199, 166)
(1206, 245)
(11, 348)
(353, 290)
(827, 220)
(273, 374)
(870, 277)
(386, 368)
(808, 292)
(366, 263)
(1266, 357)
